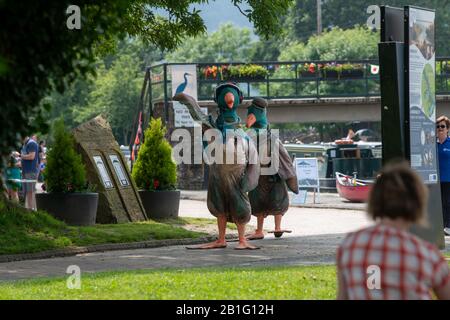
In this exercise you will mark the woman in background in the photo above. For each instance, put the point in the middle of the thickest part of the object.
(443, 142)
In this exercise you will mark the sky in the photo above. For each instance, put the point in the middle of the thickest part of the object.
(222, 11)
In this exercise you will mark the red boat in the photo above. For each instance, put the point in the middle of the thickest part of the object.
(352, 189)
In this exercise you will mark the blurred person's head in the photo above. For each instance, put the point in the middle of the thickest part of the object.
(34, 137)
(398, 193)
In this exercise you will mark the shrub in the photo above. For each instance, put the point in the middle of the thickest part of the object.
(64, 171)
(154, 168)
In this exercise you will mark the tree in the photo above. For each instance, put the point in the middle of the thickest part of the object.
(227, 44)
(352, 44)
(65, 171)
(38, 52)
(301, 20)
(154, 168)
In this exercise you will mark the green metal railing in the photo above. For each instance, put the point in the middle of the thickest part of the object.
(290, 80)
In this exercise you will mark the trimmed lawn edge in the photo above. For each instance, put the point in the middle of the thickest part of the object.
(73, 251)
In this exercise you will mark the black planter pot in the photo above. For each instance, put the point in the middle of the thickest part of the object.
(307, 74)
(75, 209)
(331, 74)
(353, 74)
(161, 204)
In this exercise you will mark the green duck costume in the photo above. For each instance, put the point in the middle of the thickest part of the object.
(228, 183)
(270, 197)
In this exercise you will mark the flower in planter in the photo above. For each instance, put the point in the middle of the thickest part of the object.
(247, 71)
(210, 72)
(308, 67)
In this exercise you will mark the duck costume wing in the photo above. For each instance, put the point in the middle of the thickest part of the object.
(286, 170)
(195, 110)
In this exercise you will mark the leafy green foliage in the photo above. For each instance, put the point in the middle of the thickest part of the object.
(65, 171)
(337, 44)
(155, 168)
(227, 44)
(301, 22)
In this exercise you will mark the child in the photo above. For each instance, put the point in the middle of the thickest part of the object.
(385, 261)
(13, 173)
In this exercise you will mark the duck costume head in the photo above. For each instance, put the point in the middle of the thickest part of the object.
(228, 96)
(257, 115)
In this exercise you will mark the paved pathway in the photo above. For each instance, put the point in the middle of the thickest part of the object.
(316, 234)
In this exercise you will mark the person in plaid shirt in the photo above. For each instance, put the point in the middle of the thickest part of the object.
(385, 261)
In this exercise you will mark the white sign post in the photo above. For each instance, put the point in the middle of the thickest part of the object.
(307, 170)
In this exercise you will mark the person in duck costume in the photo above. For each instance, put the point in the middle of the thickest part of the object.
(270, 197)
(228, 183)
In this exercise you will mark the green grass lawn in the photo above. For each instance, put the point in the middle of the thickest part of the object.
(24, 232)
(278, 283)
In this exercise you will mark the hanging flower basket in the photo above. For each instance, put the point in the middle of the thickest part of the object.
(350, 71)
(308, 70)
(246, 72)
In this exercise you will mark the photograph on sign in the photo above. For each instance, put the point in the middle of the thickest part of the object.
(120, 173)
(103, 173)
(184, 80)
(422, 92)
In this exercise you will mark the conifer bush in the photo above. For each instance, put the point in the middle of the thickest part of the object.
(64, 171)
(155, 168)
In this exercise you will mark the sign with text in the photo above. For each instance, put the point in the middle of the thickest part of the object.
(120, 173)
(103, 173)
(307, 170)
(422, 91)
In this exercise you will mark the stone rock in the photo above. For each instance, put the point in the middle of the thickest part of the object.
(106, 169)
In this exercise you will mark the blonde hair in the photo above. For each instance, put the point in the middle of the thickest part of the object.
(445, 119)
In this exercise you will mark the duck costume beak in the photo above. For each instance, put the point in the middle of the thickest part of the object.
(229, 100)
(251, 119)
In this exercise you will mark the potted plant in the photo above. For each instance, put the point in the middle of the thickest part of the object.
(67, 195)
(331, 71)
(247, 72)
(210, 72)
(307, 70)
(352, 71)
(155, 174)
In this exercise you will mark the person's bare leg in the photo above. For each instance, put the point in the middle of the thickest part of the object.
(243, 243)
(220, 242)
(278, 232)
(28, 200)
(259, 233)
(277, 219)
(33, 201)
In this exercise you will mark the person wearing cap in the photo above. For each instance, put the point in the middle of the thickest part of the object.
(270, 197)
